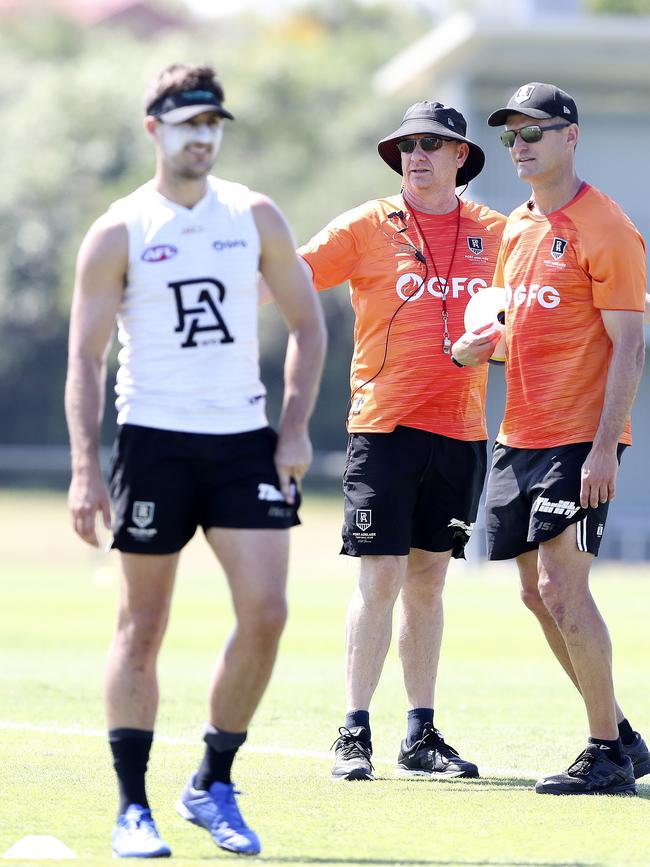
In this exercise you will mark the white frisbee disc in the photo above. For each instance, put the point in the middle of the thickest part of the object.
(488, 307)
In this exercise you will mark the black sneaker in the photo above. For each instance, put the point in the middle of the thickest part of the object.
(592, 773)
(639, 755)
(352, 755)
(432, 757)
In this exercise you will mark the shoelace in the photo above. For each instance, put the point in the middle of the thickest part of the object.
(582, 764)
(351, 746)
(230, 811)
(432, 739)
(144, 822)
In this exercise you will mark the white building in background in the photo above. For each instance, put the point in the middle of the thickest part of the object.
(475, 61)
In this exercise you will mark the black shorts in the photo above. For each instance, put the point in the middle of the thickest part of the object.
(410, 489)
(166, 483)
(533, 495)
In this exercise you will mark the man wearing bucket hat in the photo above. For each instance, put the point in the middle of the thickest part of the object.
(417, 436)
(176, 262)
(574, 266)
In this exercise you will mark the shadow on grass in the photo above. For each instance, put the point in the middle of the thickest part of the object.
(485, 784)
(644, 790)
(480, 784)
(432, 862)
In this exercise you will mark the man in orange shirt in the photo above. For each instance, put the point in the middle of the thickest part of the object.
(573, 265)
(416, 454)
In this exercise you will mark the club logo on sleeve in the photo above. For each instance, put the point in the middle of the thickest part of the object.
(363, 519)
(475, 245)
(558, 248)
(159, 253)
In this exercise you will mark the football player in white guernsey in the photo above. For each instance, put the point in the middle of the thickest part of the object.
(176, 265)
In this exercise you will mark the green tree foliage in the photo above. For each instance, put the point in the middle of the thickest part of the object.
(619, 7)
(307, 124)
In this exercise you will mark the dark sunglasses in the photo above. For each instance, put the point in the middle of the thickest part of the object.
(529, 134)
(431, 143)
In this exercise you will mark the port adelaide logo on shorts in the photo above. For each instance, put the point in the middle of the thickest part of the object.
(558, 247)
(363, 519)
(142, 516)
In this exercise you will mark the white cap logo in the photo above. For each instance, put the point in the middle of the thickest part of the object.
(524, 93)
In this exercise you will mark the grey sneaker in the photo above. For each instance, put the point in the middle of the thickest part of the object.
(432, 757)
(352, 751)
(639, 755)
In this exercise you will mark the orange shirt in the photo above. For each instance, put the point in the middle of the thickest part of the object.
(560, 270)
(403, 377)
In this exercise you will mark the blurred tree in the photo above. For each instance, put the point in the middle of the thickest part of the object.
(306, 132)
(619, 7)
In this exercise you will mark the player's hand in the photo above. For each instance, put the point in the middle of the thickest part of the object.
(88, 496)
(598, 477)
(293, 456)
(476, 347)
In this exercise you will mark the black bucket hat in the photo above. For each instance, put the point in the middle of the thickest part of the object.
(437, 119)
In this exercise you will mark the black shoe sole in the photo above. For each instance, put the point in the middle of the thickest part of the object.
(357, 774)
(625, 791)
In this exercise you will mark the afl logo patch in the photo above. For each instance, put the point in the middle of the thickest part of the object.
(475, 245)
(558, 248)
(159, 253)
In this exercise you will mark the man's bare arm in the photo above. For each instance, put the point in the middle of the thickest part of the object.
(99, 280)
(286, 277)
(599, 471)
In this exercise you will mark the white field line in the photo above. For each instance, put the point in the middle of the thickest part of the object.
(76, 731)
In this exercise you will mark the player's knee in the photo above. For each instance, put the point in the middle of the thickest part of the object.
(140, 633)
(425, 587)
(554, 592)
(265, 619)
(532, 600)
(380, 580)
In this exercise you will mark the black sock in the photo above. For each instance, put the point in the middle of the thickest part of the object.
(130, 748)
(415, 721)
(354, 718)
(626, 732)
(613, 748)
(220, 751)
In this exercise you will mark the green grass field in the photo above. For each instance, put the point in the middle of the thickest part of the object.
(501, 698)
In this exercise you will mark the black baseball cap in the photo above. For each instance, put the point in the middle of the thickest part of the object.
(440, 120)
(185, 104)
(538, 100)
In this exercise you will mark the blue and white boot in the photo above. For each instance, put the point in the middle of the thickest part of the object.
(135, 835)
(216, 810)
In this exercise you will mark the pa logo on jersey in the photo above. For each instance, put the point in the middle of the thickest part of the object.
(363, 519)
(475, 245)
(159, 253)
(558, 248)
